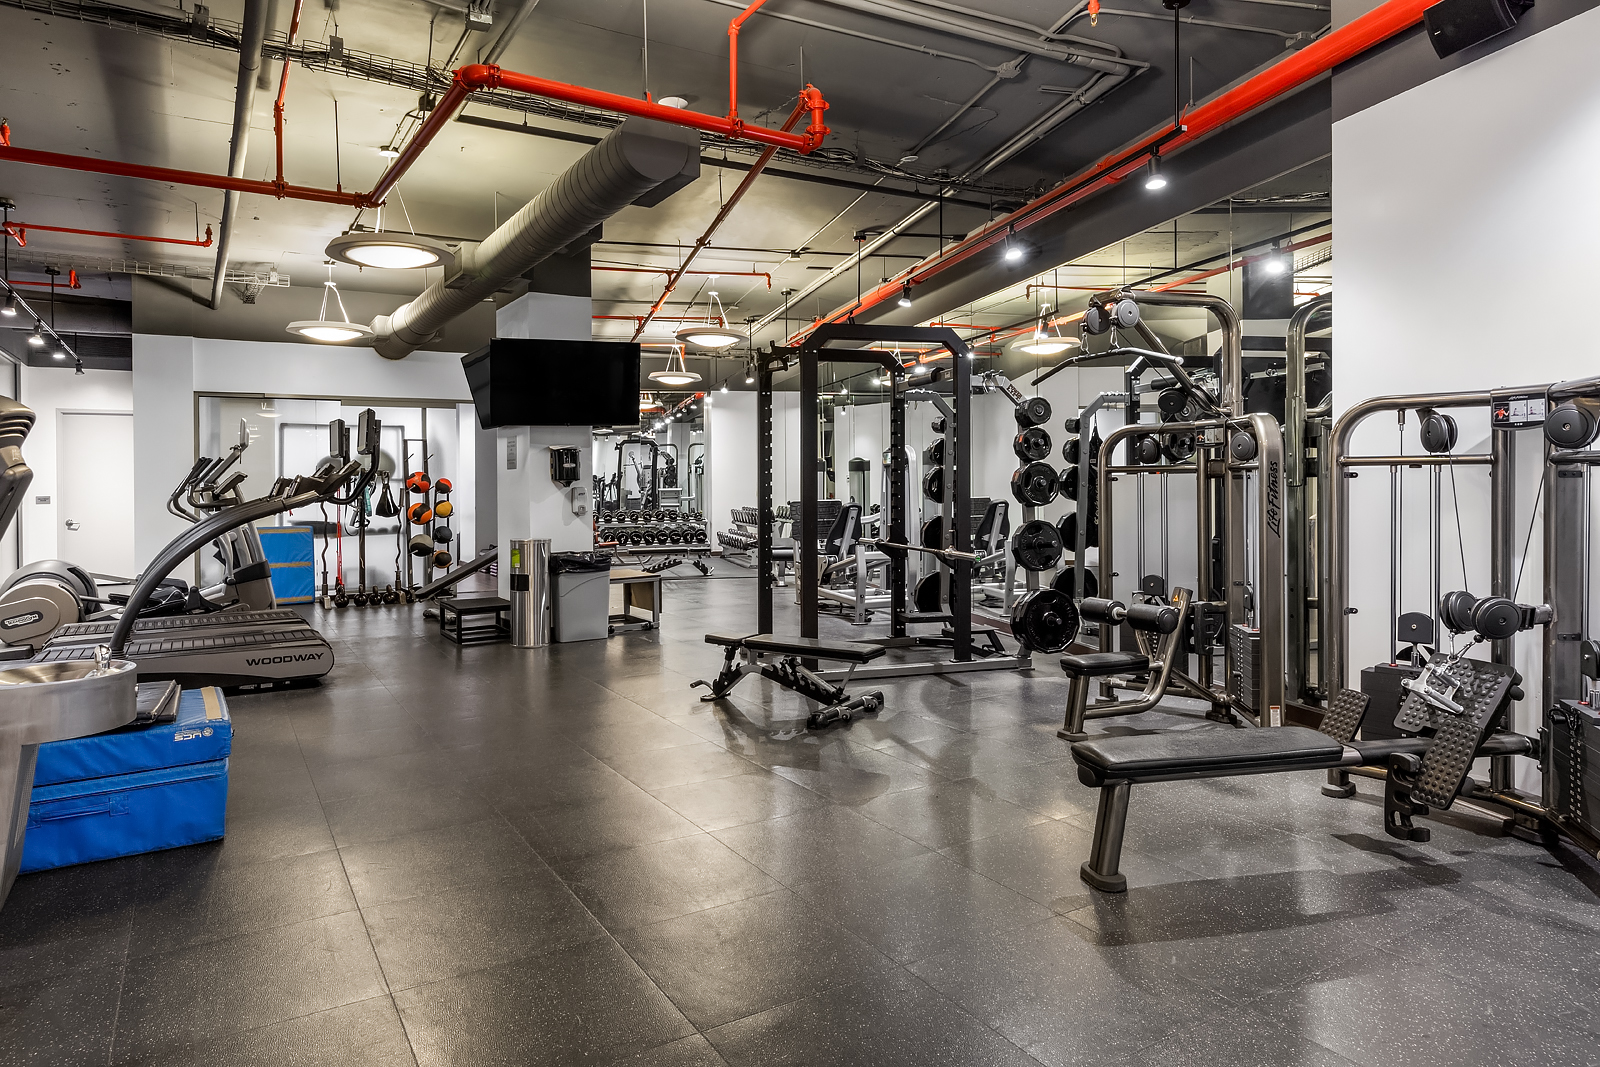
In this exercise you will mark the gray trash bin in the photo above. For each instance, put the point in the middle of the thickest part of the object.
(581, 602)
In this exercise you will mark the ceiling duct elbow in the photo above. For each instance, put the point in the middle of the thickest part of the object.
(626, 167)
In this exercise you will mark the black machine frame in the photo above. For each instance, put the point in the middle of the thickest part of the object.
(810, 356)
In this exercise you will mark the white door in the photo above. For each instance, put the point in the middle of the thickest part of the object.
(95, 484)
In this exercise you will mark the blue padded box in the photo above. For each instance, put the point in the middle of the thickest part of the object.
(289, 555)
(138, 789)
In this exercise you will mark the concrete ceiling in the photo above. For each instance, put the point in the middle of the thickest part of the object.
(76, 86)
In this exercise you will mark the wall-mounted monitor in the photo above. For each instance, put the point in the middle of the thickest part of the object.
(517, 382)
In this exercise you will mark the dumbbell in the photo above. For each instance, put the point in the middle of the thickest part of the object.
(1157, 618)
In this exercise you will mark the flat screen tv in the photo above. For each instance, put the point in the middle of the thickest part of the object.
(517, 382)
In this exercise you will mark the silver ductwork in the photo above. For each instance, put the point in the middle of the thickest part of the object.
(628, 164)
(244, 102)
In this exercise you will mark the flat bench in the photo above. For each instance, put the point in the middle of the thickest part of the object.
(1114, 765)
(779, 658)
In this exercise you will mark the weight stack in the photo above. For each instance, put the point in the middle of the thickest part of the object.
(1572, 762)
(1244, 647)
(1382, 685)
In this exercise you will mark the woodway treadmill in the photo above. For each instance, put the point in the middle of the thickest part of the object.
(238, 650)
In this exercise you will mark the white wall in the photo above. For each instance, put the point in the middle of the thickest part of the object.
(731, 457)
(168, 371)
(49, 391)
(1461, 204)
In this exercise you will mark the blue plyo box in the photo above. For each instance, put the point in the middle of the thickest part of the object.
(138, 789)
(289, 552)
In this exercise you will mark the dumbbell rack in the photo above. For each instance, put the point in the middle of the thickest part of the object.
(652, 532)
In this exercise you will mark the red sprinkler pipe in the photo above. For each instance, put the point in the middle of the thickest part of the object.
(477, 76)
(733, 58)
(19, 230)
(727, 208)
(283, 87)
(72, 282)
(180, 177)
(1288, 74)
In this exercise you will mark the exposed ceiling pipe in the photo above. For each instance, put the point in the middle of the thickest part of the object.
(722, 216)
(502, 42)
(477, 76)
(1034, 131)
(19, 231)
(244, 100)
(1281, 78)
(984, 32)
(633, 159)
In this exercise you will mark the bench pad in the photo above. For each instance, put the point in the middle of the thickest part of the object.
(1095, 664)
(1184, 754)
(809, 647)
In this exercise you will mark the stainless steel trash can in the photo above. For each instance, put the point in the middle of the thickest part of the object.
(530, 593)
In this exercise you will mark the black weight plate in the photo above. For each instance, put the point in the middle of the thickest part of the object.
(1178, 447)
(1068, 527)
(1032, 444)
(1067, 581)
(933, 485)
(1070, 450)
(1045, 620)
(933, 455)
(1069, 483)
(1034, 411)
(1036, 546)
(1035, 485)
(926, 596)
(933, 532)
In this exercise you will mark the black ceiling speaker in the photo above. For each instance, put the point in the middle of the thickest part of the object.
(1457, 24)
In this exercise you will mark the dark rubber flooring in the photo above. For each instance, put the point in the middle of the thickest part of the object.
(491, 856)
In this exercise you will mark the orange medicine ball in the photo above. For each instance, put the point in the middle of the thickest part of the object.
(420, 514)
(417, 482)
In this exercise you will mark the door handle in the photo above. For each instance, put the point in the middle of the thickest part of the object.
(73, 524)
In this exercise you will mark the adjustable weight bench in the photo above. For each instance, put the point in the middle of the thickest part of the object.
(779, 658)
(1419, 771)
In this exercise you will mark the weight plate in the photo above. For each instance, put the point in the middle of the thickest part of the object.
(1036, 546)
(1034, 411)
(933, 455)
(1070, 451)
(1068, 527)
(926, 595)
(1035, 485)
(1032, 444)
(1067, 581)
(1178, 447)
(1069, 483)
(933, 485)
(1045, 620)
(933, 532)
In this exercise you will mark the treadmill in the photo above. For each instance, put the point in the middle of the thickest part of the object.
(251, 645)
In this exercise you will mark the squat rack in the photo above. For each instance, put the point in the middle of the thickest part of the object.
(815, 351)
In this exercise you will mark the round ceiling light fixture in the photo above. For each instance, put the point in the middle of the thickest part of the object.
(673, 377)
(390, 250)
(713, 332)
(9, 308)
(1046, 339)
(326, 330)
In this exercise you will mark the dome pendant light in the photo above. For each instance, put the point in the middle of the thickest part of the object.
(1044, 342)
(326, 330)
(673, 378)
(713, 333)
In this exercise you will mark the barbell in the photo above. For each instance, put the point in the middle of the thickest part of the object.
(1045, 620)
